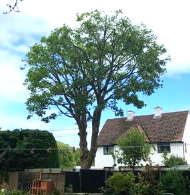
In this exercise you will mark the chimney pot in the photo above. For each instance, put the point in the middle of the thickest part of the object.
(131, 115)
(158, 112)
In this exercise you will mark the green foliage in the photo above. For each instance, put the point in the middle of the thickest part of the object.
(77, 157)
(85, 70)
(121, 182)
(129, 184)
(141, 187)
(150, 178)
(28, 149)
(70, 68)
(147, 183)
(173, 182)
(172, 160)
(12, 192)
(67, 157)
(133, 148)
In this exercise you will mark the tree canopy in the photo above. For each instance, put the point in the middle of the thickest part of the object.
(88, 69)
(133, 148)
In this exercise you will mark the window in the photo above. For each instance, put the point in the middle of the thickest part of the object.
(108, 150)
(163, 147)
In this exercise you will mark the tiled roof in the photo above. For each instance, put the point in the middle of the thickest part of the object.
(168, 128)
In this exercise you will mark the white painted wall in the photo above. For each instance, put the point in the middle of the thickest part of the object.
(102, 160)
(176, 149)
(186, 140)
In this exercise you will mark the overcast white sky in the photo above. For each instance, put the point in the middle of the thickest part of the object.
(169, 20)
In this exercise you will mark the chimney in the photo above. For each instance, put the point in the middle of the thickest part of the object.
(158, 112)
(131, 115)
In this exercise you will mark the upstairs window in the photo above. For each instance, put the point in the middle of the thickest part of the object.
(108, 150)
(163, 147)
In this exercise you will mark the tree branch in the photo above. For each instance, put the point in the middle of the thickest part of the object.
(13, 7)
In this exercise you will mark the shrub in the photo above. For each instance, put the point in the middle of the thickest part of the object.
(121, 183)
(173, 182)
(127, 183)
(140, 187)
(149, 179)
(172, 160)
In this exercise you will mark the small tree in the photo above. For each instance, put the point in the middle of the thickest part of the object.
(133, 148)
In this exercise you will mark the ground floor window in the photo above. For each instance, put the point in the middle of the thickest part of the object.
(163, 147)
(108, 150)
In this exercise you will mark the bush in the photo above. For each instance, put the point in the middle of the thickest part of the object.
(172, 160)
(173, 182)
(149, 178)
(127, 183)
(147, 183)
(141, 187)
(120, 183)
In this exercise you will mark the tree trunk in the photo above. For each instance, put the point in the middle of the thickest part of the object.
(82, 124)
(88, 157)
(83, 149)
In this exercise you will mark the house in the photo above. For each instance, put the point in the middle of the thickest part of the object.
(164, 131)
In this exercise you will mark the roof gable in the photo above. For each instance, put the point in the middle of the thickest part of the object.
(168, 128)
(139, 129)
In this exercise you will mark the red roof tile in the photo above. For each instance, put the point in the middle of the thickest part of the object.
(168, 128)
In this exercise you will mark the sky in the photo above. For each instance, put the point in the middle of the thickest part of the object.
(169, 21)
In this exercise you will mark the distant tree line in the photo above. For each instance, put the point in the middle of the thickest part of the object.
(68, 156)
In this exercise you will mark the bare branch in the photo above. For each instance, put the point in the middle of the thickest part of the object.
(13, 7)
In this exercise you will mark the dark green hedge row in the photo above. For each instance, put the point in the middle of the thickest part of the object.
(28, 149)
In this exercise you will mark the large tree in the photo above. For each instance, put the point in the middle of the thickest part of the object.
(86, 70)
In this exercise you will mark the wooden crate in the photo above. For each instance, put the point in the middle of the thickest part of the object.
(41, 187)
